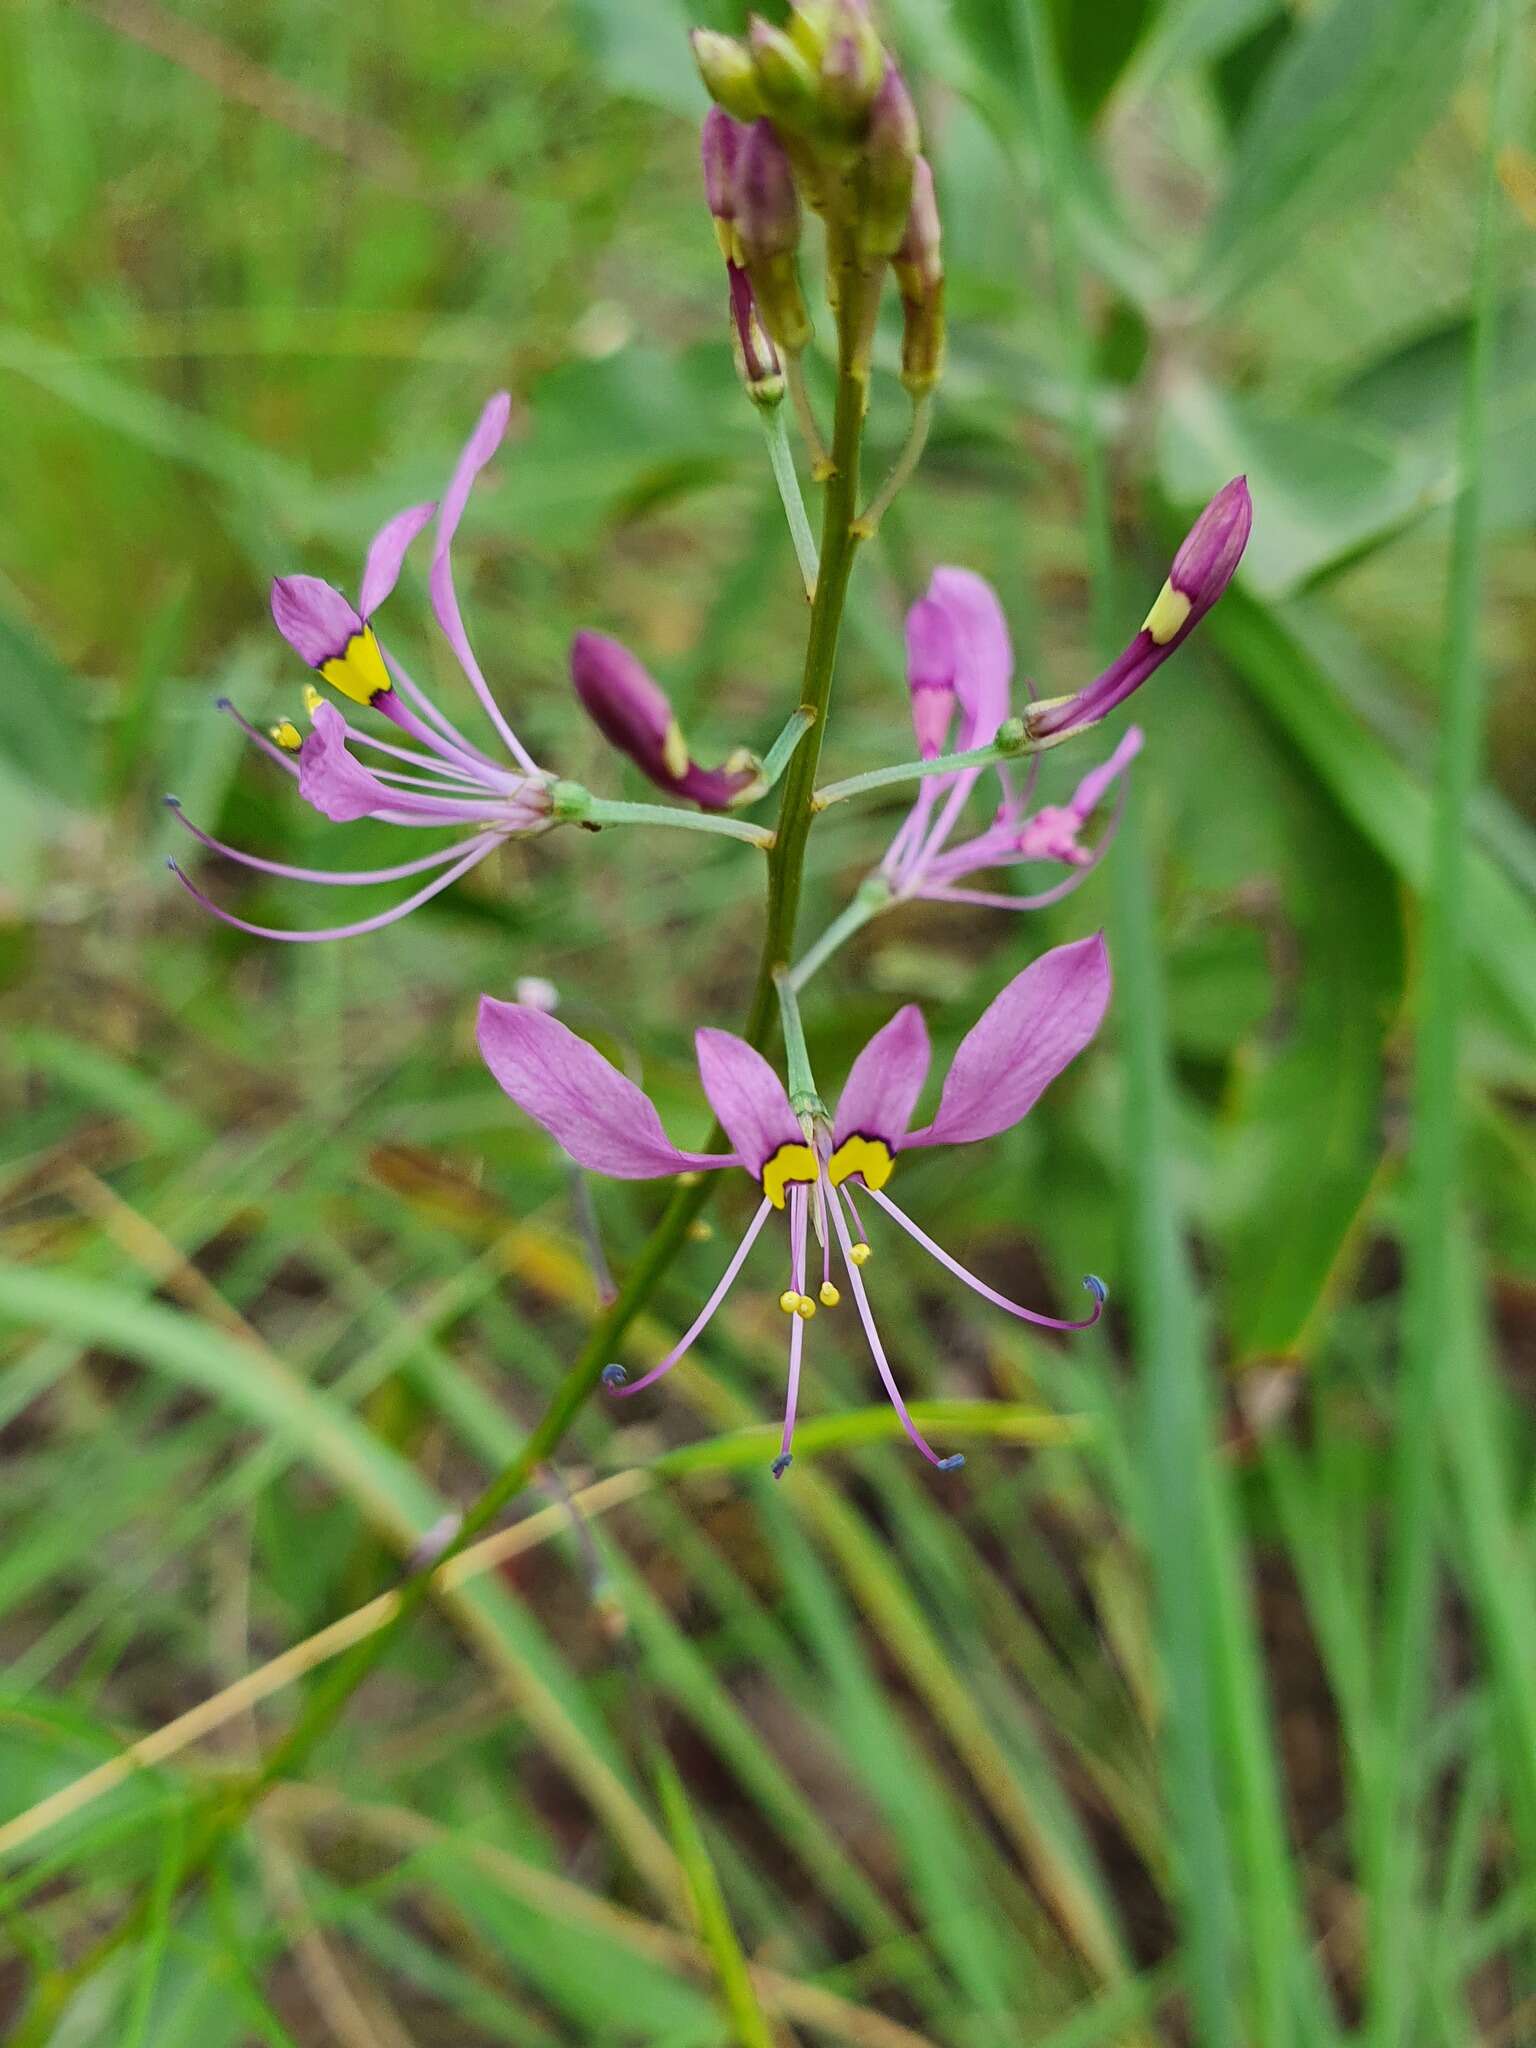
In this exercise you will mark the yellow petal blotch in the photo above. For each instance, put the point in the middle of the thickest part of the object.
(1167, 616)
(790, 1164)
(869, 1157)
(358, 672)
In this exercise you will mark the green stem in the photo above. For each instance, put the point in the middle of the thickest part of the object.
(1431, 1333)
(805, 416)
(1009, 745)
(780, 754)
(803, 1098)
(603, 810)
(326, 1703)
(872, 896)
(781, 461)
(901, 469)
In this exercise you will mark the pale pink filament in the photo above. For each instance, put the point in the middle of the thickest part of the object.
(701, 1322)
(980, 1287)
(856, 1282)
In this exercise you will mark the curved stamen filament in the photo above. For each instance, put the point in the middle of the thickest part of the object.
(958, 796)
(283, 759)
(1000, 899)
(418, 696)
(476, 851)
(337, 877)
(953, 1265)
(856, 1282)
(799, 1206)
(701, 1322)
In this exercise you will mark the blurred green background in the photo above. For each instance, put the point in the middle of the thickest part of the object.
(283, 1277)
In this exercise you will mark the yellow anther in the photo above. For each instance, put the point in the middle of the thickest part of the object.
(700, 1230)
(805, 1307)
(829, 1295)
(287, 735)
(789, 1301)
(859, 1254)
(1167, 615)
(312, 699)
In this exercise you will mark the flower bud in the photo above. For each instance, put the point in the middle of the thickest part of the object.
(730, 79)
(768, 233)
(632, 713)
(1203, 567)
(757, 360)
(919, 272)
(785, 81)
(720, 141)
(851, 71)
(890, 154)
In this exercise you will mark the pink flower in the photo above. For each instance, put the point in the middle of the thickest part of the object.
(960, 674)
(809, 1167)
(442, 779)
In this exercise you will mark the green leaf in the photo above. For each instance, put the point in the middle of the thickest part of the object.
(1094, 45)
(1302, 1136)
(1415, 392)
(1343, 107)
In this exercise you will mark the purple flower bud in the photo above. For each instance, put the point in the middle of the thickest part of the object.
(1213, 547)
(768, 232)
(631, 711)
(1203, 567)
(767, 205)
(719, 150)
(890, 154)
(930, 674)
(919, 272)
(919, 267)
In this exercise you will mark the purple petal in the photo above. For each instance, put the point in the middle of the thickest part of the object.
(747, 1096)
(1091, 790)
(886, 1079)
(983, 651)
(930, 673)
(338, 786)
(587, 1106)
(381, 571)
(478, 450)
(314, 618)
(1022, 1041)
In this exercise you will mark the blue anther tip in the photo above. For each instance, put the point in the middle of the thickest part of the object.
(781, 1464)
(614, 1376)
(952, 1464)
(1096, 1287)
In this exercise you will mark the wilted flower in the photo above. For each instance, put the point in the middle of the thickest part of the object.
(960, 660)
(809, 1165)
(960, 674)
(444, 779)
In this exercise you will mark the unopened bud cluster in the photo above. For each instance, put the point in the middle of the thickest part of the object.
(817, 115)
